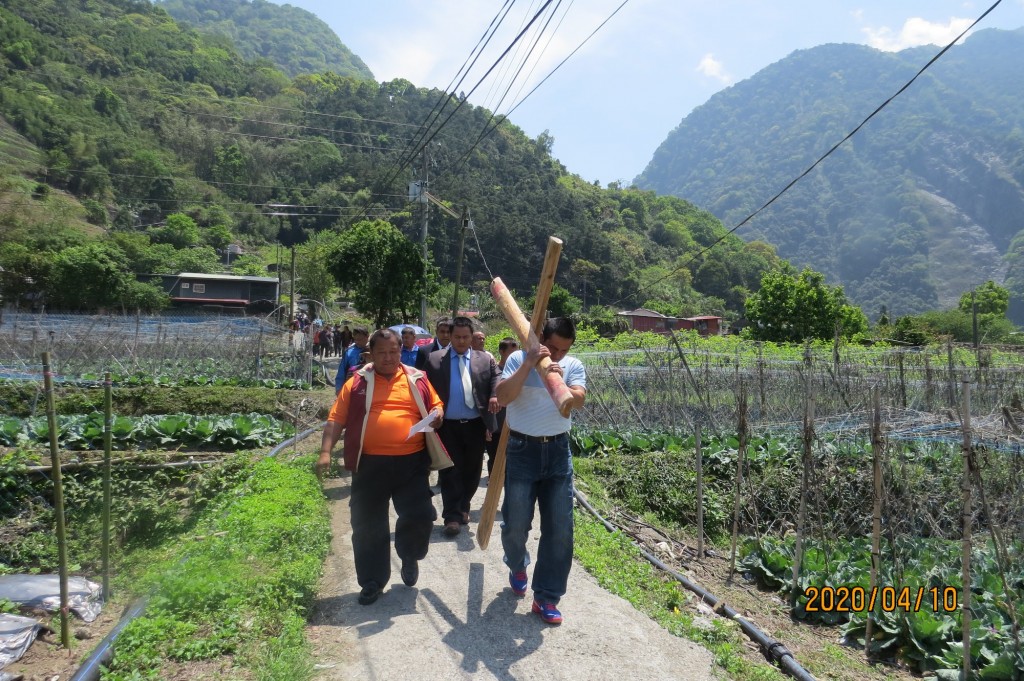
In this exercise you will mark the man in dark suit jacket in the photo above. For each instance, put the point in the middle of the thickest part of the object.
(467, 418)
(442, 339)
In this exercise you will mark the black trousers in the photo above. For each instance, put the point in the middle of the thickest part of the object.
(492, 446)
(380, 480)
(464, 441)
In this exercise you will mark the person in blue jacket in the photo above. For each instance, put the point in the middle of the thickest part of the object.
(353, 357)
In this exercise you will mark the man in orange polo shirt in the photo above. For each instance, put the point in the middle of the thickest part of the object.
(386, 465)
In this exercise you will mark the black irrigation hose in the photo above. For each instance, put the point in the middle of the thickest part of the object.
(776, 651)
(90, 669)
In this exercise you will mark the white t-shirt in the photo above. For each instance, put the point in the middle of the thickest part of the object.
(534, 412)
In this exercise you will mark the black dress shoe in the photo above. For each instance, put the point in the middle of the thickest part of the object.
(410, 572)
(370, 593)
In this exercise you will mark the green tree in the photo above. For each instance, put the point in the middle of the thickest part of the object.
(144, 296)
(561, 303)
(179, 231)
(793, 307)
(313, 267)
(88, 277)
(23, 270)
(382, 268)
(990, 297)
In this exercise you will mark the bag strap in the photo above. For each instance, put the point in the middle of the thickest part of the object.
(414, 388)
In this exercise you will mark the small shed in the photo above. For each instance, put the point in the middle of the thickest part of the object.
(705, 325)
(231, 290)
(642, 319)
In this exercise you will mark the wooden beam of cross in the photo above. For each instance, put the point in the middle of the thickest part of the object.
(555, 384)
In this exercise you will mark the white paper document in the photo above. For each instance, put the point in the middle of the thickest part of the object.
(424, 425)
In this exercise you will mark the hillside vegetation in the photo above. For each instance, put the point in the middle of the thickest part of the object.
(294, 40)
(173, 145)
(921, 205)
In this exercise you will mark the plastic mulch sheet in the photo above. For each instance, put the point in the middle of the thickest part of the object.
(16, 635)
(43, 591)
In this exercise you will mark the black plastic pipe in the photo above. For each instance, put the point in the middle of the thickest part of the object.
(90, 669)
(776, 651)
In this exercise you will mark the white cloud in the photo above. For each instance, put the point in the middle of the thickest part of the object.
(712, 68)
(916, 31)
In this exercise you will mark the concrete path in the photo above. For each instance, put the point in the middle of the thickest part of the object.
(461, 621)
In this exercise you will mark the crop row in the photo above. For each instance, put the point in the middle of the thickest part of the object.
(85, 431)
(167, 381)
(916, 610)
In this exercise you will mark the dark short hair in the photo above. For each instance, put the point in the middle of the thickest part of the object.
(507, 343)
(383, 334)
(560, 326)
(408, 329)
(463, 322)
(360, 329)
(446, 322)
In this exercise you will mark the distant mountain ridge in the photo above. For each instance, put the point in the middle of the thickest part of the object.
(295, 40)
(925, 202)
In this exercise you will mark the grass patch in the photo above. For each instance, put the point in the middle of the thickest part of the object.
(619, 568)
(242, 591)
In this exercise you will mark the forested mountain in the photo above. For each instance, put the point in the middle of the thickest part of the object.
(139, 145)
(925, 202)
(295, 40)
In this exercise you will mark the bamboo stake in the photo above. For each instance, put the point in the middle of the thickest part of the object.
(760, 378)
(107, 426)
(1002, 557)
(967, 524)
(808, 438)
(740, 462)
(700, 489)
(625, 394)
(903, 382)
(607, 411)
(693, 381)
(927, 384)
(949, 358)
(496, 479)
(876, 514)
(58, 499)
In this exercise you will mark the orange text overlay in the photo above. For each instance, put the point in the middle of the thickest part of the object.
(886, 598)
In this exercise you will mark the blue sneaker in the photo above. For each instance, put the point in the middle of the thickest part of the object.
(548, 612)
(518, 582)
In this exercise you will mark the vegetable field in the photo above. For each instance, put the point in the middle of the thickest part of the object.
(788, 452)
(229, 543)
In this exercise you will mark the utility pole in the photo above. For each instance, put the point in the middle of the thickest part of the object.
(458, 264)
(291, 295)
(422, 198)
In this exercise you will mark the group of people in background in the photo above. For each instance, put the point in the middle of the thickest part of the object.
(386, 383)
(326, 340)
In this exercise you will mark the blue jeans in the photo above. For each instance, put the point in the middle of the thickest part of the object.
(539, 473)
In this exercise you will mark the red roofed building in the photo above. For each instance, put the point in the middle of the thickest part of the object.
(643, 319)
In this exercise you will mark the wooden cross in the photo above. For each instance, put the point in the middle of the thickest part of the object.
(555, 384)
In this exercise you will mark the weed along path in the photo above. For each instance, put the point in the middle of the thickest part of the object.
(462, 621)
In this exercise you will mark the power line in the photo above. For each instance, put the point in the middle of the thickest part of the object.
(818, 161)
(501, 119)
(427, 141)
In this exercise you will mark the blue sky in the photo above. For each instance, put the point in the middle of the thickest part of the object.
(615, 101)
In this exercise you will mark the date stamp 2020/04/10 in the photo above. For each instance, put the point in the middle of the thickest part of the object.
(888, 598)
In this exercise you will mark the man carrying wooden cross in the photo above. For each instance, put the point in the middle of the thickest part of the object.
(539, 466)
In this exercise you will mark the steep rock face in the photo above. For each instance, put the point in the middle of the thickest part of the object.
(919, 206)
